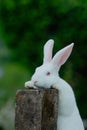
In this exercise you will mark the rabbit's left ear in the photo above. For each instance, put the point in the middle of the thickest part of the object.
(48, 47)
(62, 55)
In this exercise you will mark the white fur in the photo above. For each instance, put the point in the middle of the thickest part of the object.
(68, 113)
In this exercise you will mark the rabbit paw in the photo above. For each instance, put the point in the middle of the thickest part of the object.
(54, 87)
(29, 84)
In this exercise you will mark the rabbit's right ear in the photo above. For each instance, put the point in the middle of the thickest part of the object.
(48, 47)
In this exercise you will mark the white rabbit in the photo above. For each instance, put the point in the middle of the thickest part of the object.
(47, 76)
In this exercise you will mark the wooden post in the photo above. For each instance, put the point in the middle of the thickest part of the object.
(36, 109)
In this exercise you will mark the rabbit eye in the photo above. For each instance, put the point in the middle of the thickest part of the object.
(48, 73)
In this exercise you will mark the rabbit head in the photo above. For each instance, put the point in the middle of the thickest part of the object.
(47, 74)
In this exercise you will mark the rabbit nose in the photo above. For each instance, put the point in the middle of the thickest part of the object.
(35, 82)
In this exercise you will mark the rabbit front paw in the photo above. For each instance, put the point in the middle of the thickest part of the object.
(54, 87)
(29, 84)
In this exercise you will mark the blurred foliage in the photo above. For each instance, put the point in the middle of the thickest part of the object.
(7, 116)
(25, 26)
(14, 76)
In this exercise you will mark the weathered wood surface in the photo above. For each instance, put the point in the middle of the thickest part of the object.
(36, 109)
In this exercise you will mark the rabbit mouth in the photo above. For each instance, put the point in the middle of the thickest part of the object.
(35, 83)
(41, 85)
(38, 86)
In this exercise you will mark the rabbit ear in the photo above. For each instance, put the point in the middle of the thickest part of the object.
(48, 47)
(62, 55)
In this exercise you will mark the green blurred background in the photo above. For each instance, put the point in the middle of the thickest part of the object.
(25, 26)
